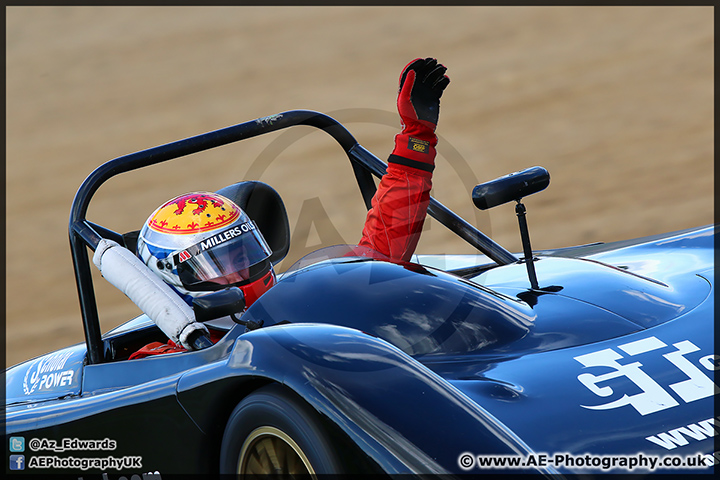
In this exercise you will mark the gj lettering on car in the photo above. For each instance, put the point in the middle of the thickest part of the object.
(653, 397)
(693, 382)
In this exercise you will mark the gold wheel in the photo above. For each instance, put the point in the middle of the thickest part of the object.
(269, 450)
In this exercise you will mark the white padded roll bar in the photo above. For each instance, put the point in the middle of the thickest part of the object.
(155, 298)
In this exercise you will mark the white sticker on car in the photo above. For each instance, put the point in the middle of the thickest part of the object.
(652, 397)
(48, 373)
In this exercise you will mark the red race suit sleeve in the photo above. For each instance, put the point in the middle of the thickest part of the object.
(398, 211)
(399, 207)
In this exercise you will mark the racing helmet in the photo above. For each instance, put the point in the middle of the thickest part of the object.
(201, 242)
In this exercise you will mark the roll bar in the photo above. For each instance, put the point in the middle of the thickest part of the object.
(84, 233)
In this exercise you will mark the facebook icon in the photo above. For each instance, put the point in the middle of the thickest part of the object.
(17, 462)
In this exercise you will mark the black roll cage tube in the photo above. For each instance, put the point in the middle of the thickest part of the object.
(84, 233)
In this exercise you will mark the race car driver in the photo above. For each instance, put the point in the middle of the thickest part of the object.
(202, 242)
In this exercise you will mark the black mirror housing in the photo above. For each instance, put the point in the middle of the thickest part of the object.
(510, 187)
(218, 304)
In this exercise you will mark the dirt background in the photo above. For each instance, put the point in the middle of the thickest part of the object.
(616, 102)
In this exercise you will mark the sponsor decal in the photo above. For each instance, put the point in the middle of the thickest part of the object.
(623, 362)
(223, 237)
(681, 436)
(269, 120)
(417, 145)
(48, 373)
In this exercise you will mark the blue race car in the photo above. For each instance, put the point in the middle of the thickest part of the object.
(581, 360)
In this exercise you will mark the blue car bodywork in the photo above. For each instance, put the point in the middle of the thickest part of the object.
(444, 364)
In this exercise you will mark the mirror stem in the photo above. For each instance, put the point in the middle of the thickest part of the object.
(525, 237)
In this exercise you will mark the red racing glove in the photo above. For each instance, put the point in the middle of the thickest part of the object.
(158, 348)
(422, 83)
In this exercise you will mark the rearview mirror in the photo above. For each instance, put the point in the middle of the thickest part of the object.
(510, 187)
(218, 304)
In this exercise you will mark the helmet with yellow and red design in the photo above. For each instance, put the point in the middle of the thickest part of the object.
(201, 242)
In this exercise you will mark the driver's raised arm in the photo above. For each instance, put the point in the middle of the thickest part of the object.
(399, 206)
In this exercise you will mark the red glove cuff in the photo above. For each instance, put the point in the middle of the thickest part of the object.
(415, 151)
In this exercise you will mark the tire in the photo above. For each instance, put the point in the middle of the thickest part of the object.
(273, 432)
